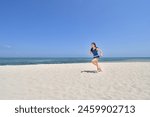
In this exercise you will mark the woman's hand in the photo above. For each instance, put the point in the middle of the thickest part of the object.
(89, 53)
(101, 54)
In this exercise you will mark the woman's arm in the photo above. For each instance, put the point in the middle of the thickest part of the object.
(101, 52)
(89, 52)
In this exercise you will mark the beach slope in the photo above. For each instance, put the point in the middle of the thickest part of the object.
(119, 80)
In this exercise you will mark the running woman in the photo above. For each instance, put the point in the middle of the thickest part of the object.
(97, 53)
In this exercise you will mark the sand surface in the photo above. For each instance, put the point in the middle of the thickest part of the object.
(120, 80)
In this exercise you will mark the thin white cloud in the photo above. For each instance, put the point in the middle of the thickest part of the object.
(6, 46)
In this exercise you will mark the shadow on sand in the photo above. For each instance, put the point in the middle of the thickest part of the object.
(89, 71)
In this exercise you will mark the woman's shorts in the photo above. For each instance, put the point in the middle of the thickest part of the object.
(96, 57)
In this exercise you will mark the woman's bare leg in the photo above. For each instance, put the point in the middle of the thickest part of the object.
(99, 69)
(95, 62)
(97, 65)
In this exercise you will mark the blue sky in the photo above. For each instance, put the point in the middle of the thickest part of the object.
(52, 28)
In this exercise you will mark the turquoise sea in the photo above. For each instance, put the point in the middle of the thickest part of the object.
(64, 60)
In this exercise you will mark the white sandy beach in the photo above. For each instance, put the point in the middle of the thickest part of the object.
(120, 80)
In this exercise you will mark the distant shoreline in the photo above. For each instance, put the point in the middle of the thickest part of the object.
(67, 60)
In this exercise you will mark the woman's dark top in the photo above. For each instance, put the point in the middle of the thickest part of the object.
(95, 52)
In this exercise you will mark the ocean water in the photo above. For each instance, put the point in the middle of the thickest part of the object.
(30, 61)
